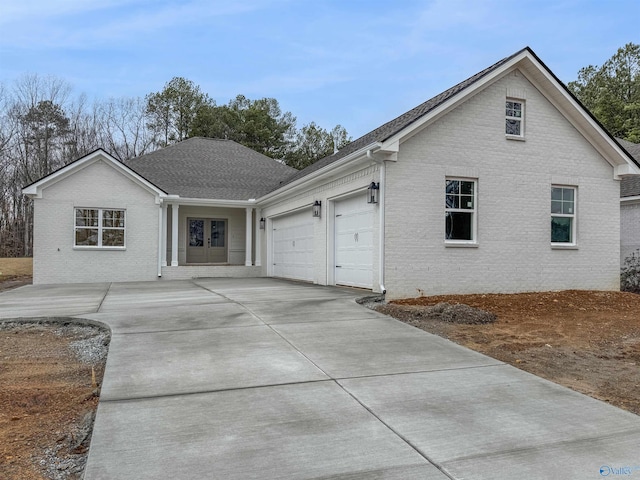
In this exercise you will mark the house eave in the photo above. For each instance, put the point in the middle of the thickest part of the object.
(543, 79)
(209, 202)
(633, 199)
(329, 170)
(624, 170)
(35, 189)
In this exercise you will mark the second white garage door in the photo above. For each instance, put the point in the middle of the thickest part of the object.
(354, 242)
(293, 246)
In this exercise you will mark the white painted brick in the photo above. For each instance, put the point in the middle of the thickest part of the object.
(514, 179)
(98, 185)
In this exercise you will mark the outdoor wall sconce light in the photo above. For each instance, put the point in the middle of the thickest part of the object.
(262, 223)
(316, 208)
(372, 192)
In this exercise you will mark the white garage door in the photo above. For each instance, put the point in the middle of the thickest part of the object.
(293, 246)
(354, 242)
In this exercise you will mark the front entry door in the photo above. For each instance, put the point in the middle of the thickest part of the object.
(207, 240)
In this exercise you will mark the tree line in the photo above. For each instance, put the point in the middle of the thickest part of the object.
(612, 92)
(43, 127)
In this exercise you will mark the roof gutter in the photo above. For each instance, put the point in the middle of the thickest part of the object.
(210, 202)
(633, 199)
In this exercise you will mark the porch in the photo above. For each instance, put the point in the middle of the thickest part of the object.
(203, 238)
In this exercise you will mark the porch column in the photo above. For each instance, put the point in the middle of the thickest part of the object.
(258, 240)
(163, 240)
(249, 234)
(174, 235)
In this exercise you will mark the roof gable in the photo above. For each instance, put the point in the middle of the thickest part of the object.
(387, 137)
(34, 190)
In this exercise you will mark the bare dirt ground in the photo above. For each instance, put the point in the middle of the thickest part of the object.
(50, 374)
(586, 340)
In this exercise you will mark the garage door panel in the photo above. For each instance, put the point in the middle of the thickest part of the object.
(293, 246)
(354, 242)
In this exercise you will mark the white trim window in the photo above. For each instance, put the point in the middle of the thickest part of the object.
(99, 228)
(514, 123)
(563, 215)
(460, 199)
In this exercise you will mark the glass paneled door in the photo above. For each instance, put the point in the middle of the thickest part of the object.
(206, 240)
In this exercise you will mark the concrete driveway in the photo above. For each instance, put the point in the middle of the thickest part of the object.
(265, 379)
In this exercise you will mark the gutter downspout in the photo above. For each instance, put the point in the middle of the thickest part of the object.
(381, 229)
(160, 202)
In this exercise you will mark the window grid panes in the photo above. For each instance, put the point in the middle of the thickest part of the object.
(196, 233)
(563, 212)
(514, 116)
(98, 227)
(460, 209)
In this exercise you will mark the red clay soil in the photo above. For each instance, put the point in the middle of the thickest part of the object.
(47, 402)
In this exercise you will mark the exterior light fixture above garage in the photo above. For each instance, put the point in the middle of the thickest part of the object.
(372, 192)
(316, 208)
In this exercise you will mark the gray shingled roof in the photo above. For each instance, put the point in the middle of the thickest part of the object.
(630, 186)
(210, 168)
(398, 124)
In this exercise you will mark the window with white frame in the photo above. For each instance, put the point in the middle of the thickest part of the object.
(460, 210)
(563, 215)
(99, 227)
(514, 113)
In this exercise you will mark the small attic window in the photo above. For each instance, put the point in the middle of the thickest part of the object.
(514, 113)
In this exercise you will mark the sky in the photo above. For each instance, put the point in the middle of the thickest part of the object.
(357, 63)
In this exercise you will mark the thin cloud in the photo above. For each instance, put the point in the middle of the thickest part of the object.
(17, 12)
(80, 24)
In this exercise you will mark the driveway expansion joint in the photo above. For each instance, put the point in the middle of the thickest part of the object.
(206, 392)
(441, 468)
(435, 370)
(104, 297)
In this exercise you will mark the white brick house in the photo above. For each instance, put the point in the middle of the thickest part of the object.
(502, 183)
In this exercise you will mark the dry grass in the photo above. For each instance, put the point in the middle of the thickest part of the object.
(15, 268)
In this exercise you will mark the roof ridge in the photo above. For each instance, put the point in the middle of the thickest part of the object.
(215, 139)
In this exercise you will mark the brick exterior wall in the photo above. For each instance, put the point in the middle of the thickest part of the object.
(514, 253)
(98, 185)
